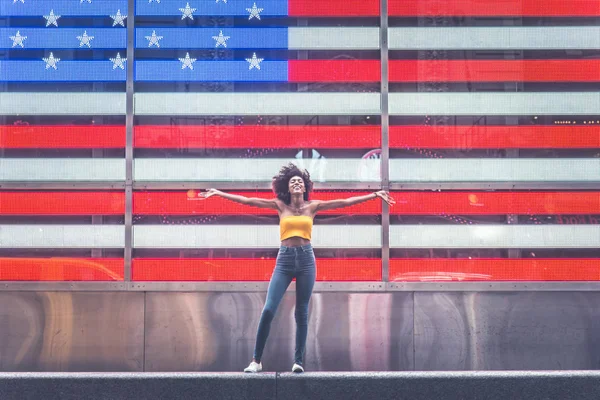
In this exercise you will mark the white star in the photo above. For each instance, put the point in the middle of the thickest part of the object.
(187, 11)
(85, 40)
(254, 12)
(18, 39)
(150, 1)
(254, 62)
(22, 1)
(118, 61)
(187, 61)
(224, 1)
(81, 1)
(118, 18)
(51, 19)
(51, 61)
(153, 40)
(221, 40)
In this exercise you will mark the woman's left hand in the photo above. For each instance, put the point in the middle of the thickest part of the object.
(385, 196)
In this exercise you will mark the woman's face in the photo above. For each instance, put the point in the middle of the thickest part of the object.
(296, 185)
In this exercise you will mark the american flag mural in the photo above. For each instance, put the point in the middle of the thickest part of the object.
(482, 117)
(62, 139)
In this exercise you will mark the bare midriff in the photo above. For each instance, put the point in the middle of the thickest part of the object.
(295, 241)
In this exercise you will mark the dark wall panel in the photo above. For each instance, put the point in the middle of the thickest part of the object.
(217, 331)
(71, 331)
(507, 330)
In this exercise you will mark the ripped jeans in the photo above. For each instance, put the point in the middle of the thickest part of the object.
(292, 262)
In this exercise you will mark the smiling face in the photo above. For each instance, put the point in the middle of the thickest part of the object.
(296, 185)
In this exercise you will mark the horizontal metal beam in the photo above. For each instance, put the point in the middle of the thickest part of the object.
(352, 287)
(493, 185)
(231, 185)
(38, 286)
(71, 185)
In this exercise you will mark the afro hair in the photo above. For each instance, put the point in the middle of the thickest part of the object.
(281, 182)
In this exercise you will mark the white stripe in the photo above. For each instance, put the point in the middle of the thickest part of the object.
(497, 38)
(300, 38)
(62, 169)
(250, 236)
(62, 103)
(252, 169)
(494, 236)
(326, 236)
(256, 103)
(495, 170)
(62, 236)
(494, 103)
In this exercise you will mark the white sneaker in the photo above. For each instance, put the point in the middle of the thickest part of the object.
(253, 367)
(297, 368)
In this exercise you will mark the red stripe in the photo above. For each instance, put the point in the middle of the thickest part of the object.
(490, 137)
(494, 70)
(407, 203)
(188, 203)
(62, 203)
(61, 269)
(258, 136)
(530, 269)
(491, 203)
(333, 8)
(62, 136)
(342, 137)
(334, 71)
(228, 269)
(526, 8)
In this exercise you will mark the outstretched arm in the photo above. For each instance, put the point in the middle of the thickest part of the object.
(350, 201)
(249, 201)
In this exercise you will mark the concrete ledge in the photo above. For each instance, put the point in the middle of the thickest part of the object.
(467, 385)
(143, 386)
(505, 385)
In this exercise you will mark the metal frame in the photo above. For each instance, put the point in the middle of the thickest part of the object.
(384, 286)
(128, 253)
(320, 287)
(385, 140)
(185, 185)
(495, 185)
(71, 185)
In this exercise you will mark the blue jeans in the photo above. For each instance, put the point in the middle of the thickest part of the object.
(292, 262)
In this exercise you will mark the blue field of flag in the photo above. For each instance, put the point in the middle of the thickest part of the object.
(210, 38)
(66, 71)
(211, 71)
(206, 7)
(63, 38)
(21, 8)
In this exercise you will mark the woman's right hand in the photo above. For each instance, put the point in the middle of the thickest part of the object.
(208, 193)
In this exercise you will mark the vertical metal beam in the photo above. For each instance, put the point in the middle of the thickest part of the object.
(129, 139)
(385, 148)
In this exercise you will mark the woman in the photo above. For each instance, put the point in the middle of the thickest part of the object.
(295, 259)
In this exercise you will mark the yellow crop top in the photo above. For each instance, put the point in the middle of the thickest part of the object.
(300, 225)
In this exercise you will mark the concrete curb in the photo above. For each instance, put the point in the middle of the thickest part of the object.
(464, 385)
